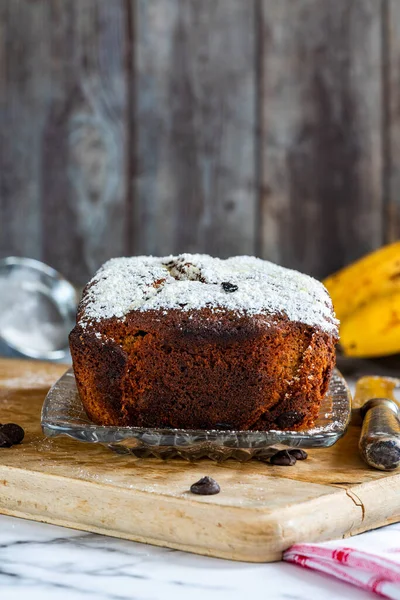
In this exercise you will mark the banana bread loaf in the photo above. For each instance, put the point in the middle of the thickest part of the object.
(197, 342)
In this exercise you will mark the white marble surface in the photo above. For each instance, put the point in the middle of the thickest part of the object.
(53, 563)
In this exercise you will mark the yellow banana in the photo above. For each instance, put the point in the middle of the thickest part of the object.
(374, 328)
(374, 275)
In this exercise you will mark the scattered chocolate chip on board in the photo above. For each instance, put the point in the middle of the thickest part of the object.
(288, 458)
(298, 453)
(10, 435)
(4, 441)
(283, 459)
(206, 486)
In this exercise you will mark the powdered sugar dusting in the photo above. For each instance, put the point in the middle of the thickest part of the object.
(243, 284)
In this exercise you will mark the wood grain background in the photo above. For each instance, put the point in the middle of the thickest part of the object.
(220, 126)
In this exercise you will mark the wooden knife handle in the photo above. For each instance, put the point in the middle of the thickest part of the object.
(380, 434)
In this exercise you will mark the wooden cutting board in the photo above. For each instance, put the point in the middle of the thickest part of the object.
(260, 511)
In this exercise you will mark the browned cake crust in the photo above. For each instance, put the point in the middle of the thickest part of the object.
(199, 369)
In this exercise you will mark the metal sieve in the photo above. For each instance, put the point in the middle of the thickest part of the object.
(37, 310)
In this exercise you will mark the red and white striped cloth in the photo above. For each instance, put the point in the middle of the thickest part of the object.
(370, 560)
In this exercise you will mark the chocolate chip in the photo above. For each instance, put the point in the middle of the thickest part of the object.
(288, 419)
(283, 459)
(298, 453)
(229, 287)
(224, 426)
(5, 442)
(13, 432)
(206, 486)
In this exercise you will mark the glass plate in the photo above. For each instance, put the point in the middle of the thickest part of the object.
(63, 414)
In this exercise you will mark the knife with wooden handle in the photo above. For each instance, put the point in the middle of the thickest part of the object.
(376, 406)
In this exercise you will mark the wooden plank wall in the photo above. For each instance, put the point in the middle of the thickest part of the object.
(220, 126)
(195, 123)
(321, 154)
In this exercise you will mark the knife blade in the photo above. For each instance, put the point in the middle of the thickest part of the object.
(376, 407)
